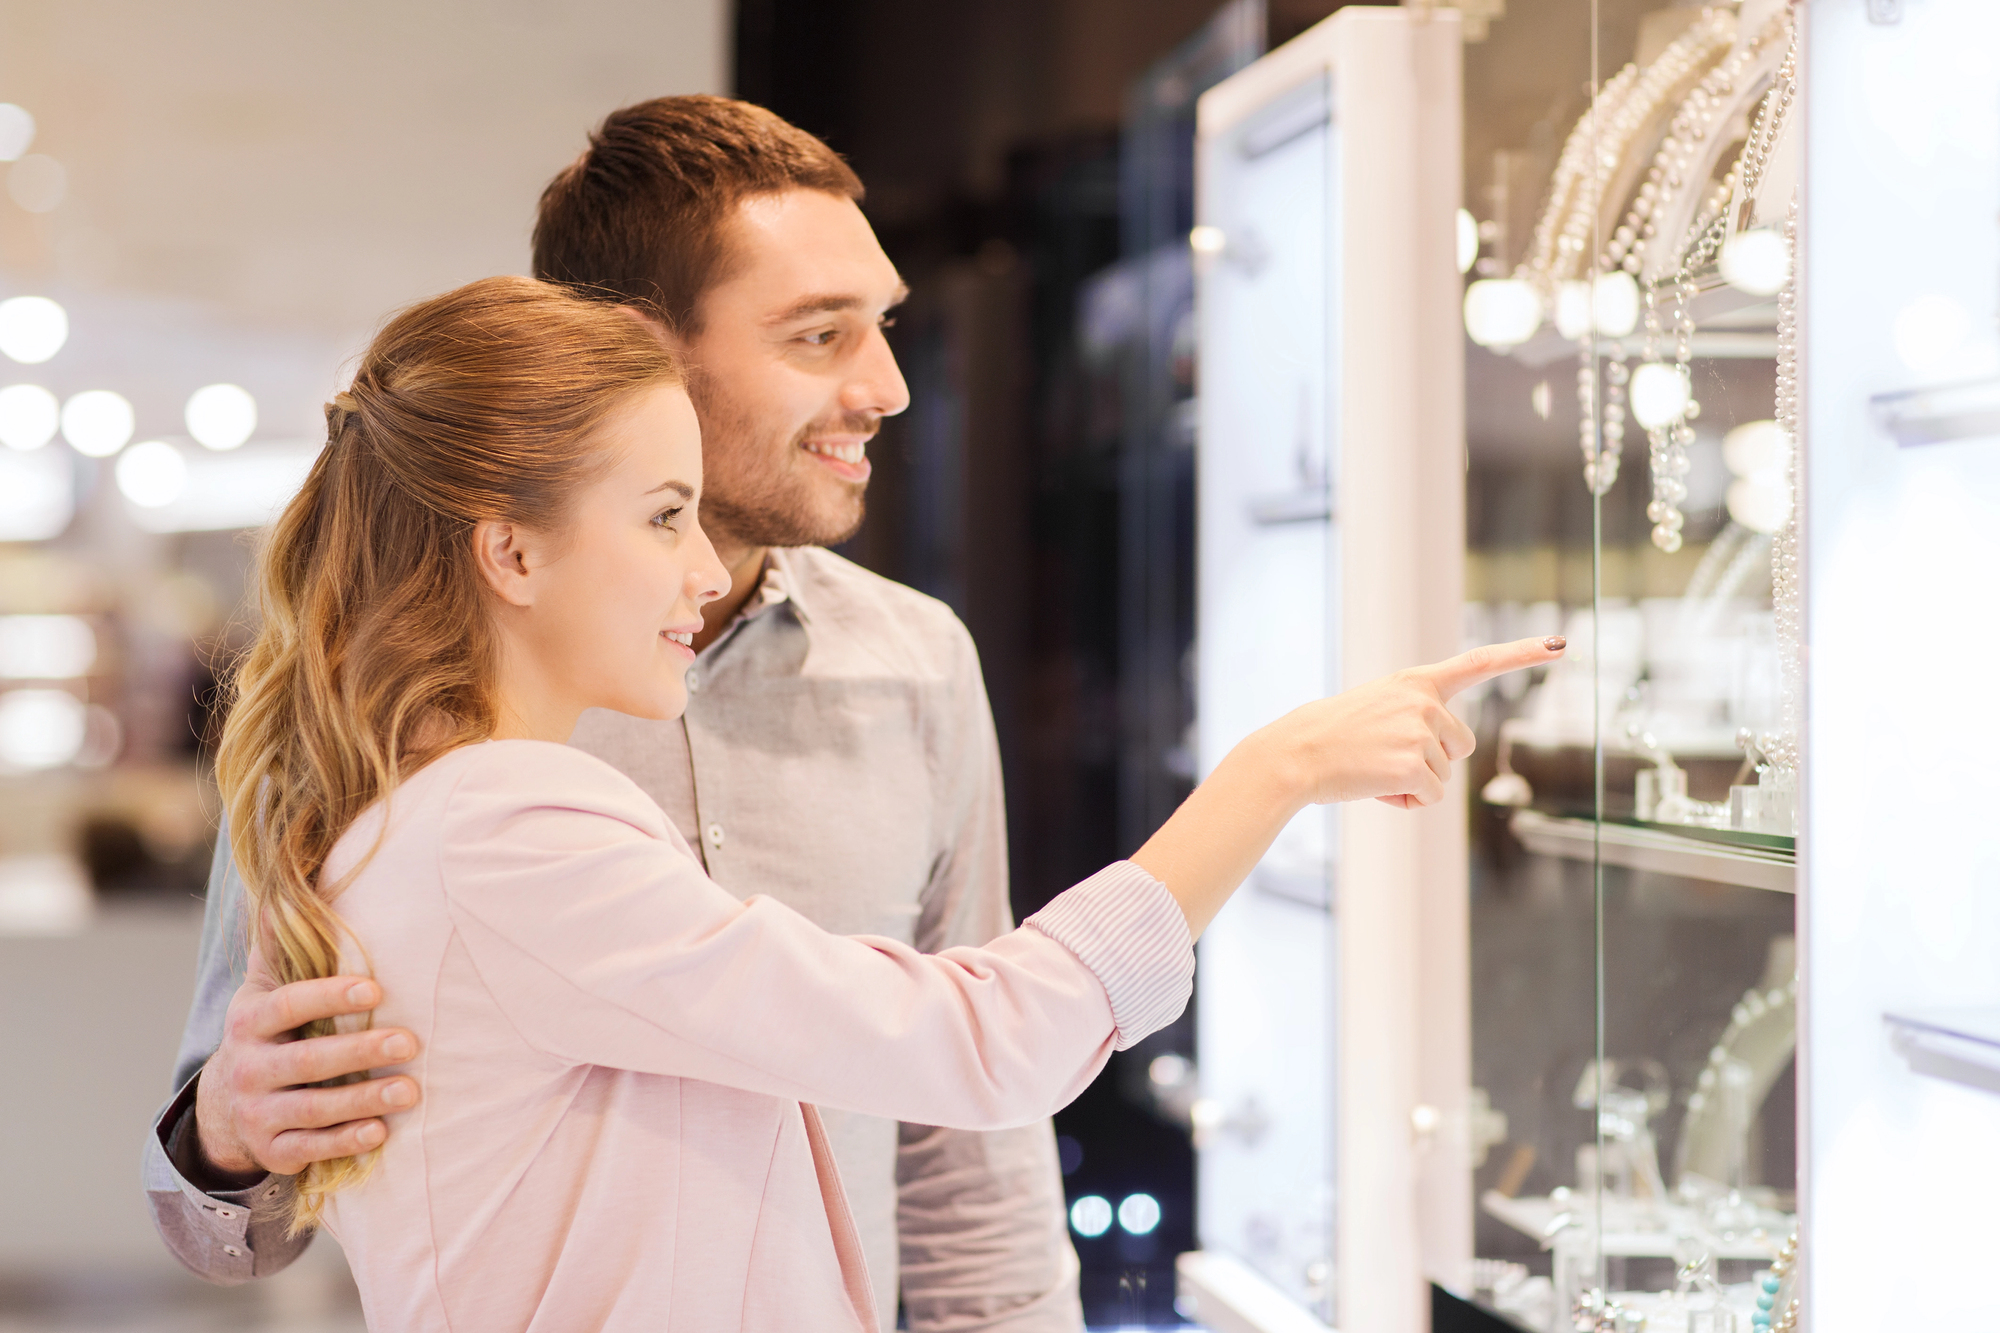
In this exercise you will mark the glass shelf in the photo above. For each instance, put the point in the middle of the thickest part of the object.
(1724, 856)
(1959, 1045)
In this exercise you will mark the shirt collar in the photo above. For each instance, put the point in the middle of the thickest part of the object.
(778, 585)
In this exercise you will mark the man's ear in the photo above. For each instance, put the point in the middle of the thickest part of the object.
(654, 325)
(501, 556)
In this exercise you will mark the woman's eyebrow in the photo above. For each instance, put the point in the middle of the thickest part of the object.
(685, 491)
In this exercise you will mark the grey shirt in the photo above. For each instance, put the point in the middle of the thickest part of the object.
(837, 754)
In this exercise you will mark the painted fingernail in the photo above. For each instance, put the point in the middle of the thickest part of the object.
(361, 993)
(1555, 643)
(399, 1047)
(399, 1093)
(370, 1135)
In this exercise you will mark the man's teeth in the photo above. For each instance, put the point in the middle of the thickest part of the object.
(681, 637)
(846, 453)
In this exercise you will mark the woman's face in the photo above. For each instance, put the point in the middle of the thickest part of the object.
(603, 614)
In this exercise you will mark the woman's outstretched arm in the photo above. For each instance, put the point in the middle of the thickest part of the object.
(1393, 739)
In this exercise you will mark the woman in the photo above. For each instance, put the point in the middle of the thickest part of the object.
(621, 1060)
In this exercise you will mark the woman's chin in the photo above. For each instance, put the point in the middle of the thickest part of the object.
(663, 707)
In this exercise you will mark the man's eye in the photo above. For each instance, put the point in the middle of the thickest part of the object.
(822, 338)
(886, 322)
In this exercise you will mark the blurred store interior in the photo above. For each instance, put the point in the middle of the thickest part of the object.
(210, 206)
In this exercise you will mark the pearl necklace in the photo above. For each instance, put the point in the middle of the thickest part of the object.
(1628, 104)
(1704, 114)
(1787, 589)
(1778, 1307)
(1701, 114)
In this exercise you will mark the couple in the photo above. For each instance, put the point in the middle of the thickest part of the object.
(603, 1072)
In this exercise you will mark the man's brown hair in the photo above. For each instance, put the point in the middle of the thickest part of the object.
(639, 217)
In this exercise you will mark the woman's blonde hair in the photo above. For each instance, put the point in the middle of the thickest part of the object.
(375, 651)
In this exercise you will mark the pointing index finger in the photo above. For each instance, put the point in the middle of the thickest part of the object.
(1459, 673)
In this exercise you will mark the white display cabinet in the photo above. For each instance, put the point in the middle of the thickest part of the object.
(1900, 265)
(1331, 994)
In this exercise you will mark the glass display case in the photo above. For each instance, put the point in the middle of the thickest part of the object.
(1690, 1022)
(1327, 187)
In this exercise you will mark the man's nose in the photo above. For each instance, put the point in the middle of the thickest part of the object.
(877, 386)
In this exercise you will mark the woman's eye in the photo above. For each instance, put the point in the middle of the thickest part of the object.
(665, 518)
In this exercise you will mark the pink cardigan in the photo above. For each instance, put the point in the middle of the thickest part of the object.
(620, 1060)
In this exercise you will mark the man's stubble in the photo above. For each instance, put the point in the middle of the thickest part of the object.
(758, 491)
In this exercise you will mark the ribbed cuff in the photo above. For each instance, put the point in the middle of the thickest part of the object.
(1125, 927)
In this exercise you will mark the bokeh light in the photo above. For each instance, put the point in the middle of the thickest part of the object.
(32, 329)
(1090, 1216)
(29, 416)
(1139, 1214)
(221, 416)
(17, 131)
(152, 474)
(40, 728)
(97, 422)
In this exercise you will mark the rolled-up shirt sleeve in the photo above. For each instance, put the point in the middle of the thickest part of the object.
(227, 1236)
(604, 943)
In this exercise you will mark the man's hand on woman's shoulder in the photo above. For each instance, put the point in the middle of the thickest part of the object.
(257, 1109)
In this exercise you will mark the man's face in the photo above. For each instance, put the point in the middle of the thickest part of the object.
(793, 375)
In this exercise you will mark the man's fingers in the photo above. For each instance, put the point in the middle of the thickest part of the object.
(321, 1108)
(295, 1149)
(302, 1002)
(1497, 659)
(317, 1059)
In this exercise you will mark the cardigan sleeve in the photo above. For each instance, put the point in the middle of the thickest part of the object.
(601, 939)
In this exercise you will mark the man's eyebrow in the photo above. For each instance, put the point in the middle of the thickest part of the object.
(685, 491)
(829, 303)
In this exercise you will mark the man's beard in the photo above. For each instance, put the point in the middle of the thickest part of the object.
(763, 498)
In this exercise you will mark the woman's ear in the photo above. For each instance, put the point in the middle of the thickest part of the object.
(501, 554)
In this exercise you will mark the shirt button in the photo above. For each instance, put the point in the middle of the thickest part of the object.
(715, 835)
(232, 1251)
(693, 680)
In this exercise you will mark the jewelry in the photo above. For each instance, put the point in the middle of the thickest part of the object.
(1703, 114)
(1778, 1306)
(1626, 106)
(1786, 590)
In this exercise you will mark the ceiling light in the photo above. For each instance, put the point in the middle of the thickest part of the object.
(40, 728)
(46, 647)
(1502, 313)
(97, 422)
(221, 416)
(37, 495)
(32, 329)
(244, 489)
(37, 183)
(17, 131)
(152, 474)
(1207, 240)
(29, 415)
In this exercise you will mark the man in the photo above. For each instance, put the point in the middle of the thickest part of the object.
(837, 751)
